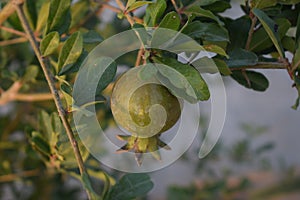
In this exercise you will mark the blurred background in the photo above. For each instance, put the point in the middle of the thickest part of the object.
(257, 156)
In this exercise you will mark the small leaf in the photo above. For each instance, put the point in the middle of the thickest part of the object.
(296, 58)
(59, 18)
(67, 92)
(206, 31)
(95, 75)
(49, 43)
(39, 143)
(203, 2)
(30, 12)
(91, 37)
(218, 7)
(263, 3)
(137, 5)
(131, 186)
(155, 11)
(269, 26)
(260, 40)
(257, 80)
(222, 66)
(288, 2)
(215, 49)
(73, 67)
(238, 32)
(170, 21)
(240, 58)
(42, 16)
(71, 50)
(200, 12)
(288, 43)
(183, 80)
(297, 32)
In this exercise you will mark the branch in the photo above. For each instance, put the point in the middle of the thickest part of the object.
(13, 41)
(8, 10)
(262, 65)
(13, 177)
(251, 31)
(50, 80)
(175, 6)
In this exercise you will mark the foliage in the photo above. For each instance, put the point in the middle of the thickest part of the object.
(37, 136)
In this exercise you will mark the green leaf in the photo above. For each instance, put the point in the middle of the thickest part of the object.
(238, 32)
(155, 11)
(31, 12)
(170, 21)
(288, 2)
(42, 16)
(39, 143)
(130, 2)
(73, 67)
(49, 43)
(67, 92)
(288, 43)
(297, 32)
(222, 66)
(215, 49)
(148, 71)
(263, 3)
(31, 73)
(200, 12)
(130, 186)
(206, 31)
(260, 40)
(240, 58)
(203, 2)
(102, 73)
(137, 4)
(296, 58)
(218, 6)
(257, 80)
(71, 50)
(59, 18)
(269, 25)
(183, 80)
(92, 37)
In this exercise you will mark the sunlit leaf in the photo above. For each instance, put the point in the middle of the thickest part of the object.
(49, 43)
(71, 50)
(59, 18)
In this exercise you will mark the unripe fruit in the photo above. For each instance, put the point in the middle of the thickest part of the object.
(145, 108)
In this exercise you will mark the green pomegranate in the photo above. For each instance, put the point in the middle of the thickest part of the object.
(145, 109)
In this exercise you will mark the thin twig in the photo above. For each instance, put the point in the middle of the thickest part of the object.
(13, 41)
(251, 31)
(175, 6)
(262, 65)
(13, 177)
(120, 4)
(112, 8)
(139, 56)
(8, 10)
(11, 30)
(50, 80)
